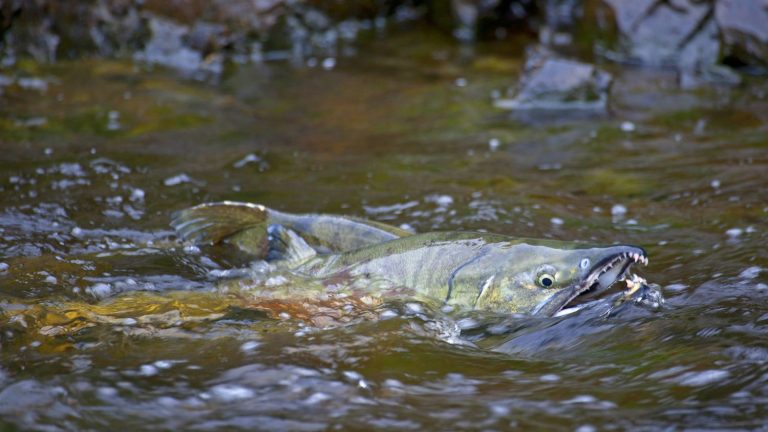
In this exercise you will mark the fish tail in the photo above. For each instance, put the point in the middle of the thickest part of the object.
(212, 223)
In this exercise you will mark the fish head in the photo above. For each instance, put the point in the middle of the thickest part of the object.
(543, 277)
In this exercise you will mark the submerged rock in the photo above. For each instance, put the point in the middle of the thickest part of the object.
(553, 83)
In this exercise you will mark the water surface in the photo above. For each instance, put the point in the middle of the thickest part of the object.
(107, 321)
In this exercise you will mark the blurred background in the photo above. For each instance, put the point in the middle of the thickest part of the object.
(593, 121)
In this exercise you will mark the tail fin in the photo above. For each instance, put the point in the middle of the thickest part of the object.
(213, 222)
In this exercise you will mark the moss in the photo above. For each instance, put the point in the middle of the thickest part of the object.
(720, 118)
(605, 181)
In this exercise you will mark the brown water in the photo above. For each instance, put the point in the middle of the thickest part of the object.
(107, 324)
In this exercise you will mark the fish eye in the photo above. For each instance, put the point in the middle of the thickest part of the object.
(546, 280)
(584, 263)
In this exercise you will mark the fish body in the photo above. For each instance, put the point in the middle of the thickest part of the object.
(468, 269)
(246, 226)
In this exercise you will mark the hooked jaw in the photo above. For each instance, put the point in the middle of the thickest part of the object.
(613, 267)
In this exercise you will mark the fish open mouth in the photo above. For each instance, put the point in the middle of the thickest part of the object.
(600, 278)
(610, 270)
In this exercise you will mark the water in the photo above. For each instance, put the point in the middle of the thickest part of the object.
(108, 321)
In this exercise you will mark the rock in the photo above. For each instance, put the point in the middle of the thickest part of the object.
(560, 19)
(117, 27)
(468, 20)
(744, 30)
(186, 34)
(687, 35)
(167, 47)
(553, 83)
(658, 33)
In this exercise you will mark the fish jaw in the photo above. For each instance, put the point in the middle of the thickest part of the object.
(612, 265)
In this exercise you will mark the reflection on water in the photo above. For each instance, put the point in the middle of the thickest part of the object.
(107, 320)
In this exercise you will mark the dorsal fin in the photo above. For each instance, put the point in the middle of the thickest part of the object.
(243, 224)
(286, 245)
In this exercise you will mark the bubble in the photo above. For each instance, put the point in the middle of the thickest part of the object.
(148, 370)
(329, 63)
(627, 126)
(249, 158)
(750, 272)
(494, 144)
(414, 308)
(696, 379)
(618, 209)
(99, 290)
(581, 399)
(317, 398)
(230, 392)
(387, 314)
(163, 364)
(137, 195)
(249, 346)
(177, 180)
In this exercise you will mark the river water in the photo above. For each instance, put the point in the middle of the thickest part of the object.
(107, 322)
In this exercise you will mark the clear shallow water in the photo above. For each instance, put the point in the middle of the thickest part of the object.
(107, 321)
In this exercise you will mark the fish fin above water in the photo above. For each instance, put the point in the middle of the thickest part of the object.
(286, 245)
(243, 224)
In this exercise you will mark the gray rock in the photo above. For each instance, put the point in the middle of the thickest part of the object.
(687, 35)
(167, 47)
(560, 20)
(674, 33)
(553, 83)
(744, 29)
